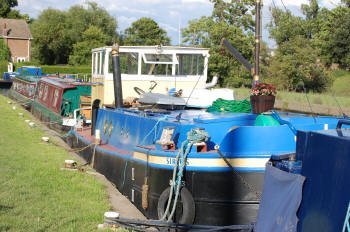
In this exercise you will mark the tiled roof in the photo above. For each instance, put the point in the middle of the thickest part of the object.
(15, 28)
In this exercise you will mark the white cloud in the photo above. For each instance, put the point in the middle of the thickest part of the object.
(195, 1)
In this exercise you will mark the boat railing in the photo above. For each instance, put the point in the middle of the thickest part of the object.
(81, 77)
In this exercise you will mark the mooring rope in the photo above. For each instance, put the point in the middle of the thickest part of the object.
(194, 136)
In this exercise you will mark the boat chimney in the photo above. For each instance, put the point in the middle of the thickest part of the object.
(117, 79)
(257, 41)
(95, 107)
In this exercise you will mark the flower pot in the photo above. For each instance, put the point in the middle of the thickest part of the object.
(262, 103)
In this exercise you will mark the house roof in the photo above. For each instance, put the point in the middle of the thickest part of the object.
(15, 28)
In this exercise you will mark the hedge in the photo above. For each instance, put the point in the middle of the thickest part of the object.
(64, 69)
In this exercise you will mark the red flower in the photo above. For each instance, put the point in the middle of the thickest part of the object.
(263, 89)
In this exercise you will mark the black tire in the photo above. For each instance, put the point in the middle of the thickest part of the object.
(188, 205)
(139, 91)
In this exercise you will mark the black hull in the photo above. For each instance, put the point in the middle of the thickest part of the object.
(221, 198)
(5, 84)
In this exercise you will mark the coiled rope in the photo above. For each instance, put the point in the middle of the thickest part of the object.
(239, 106)
(194, 136)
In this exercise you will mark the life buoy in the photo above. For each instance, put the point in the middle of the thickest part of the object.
(188, 205)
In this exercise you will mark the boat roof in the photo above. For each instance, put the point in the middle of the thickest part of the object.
(29, 78)
(63, 83)
(157, 49)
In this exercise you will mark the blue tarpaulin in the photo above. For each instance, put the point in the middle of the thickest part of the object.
(280, 201)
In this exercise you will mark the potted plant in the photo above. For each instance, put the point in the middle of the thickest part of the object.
(262, 97)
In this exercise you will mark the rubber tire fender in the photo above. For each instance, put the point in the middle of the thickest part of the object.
(188, 205)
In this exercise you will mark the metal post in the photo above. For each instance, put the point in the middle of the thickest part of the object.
(257, 41)
(117, 79)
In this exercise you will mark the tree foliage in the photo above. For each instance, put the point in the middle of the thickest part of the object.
(93, 37)
(296, 65)
(57, 33)
(145, 31)
(51, 44)
(234, 21)
(5, 7)
(323, 38)
(4, 51)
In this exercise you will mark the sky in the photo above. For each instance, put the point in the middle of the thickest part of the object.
(169, 14)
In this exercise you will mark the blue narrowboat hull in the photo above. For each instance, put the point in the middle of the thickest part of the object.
(129, 153)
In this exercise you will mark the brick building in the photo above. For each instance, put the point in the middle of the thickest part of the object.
(17, 36)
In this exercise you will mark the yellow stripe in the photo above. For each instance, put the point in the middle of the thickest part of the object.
(205, 162)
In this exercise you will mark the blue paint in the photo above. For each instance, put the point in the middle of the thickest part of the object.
(234, 133)
(325, 157)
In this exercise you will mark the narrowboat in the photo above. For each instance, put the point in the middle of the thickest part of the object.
(58, 98)
(24, 85)
(188, 165)
(7, 79)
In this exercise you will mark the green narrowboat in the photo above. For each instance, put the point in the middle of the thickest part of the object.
(57, 99)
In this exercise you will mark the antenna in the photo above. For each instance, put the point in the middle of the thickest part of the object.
(339, 107)
(307, 98)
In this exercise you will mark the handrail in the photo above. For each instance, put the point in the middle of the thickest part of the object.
(276, 116)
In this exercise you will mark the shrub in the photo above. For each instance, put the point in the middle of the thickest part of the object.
(64, 69)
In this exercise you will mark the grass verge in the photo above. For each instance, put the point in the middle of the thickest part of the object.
(35, 195)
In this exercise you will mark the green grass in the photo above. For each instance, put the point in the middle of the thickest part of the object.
(341, 85)
(35, 195)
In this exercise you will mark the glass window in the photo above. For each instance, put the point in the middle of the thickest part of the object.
(156, 69)
(94, 62)
(158, 58)
(55, 98)
(128, 63)
(41, 90)
(46, 92)
(190, 64)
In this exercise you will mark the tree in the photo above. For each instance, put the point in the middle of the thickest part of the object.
(5, 7)
(339, 45)
(93, 37)
(51, 44)
(145, 31)
(15, 14)
(4, 51)
(234, 21)
(80, 18)
(57, 32)
(346, 2)
(284, 26)
(296, 64)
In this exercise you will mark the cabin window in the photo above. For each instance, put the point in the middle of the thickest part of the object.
(41, 90)
(158, 58)
(157, 64)
(128, 63)
(190, 64)
(55, 98)
(98, 62)
(46, 92)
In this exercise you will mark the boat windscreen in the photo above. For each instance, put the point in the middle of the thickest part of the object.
(190, 64)
(158, 58)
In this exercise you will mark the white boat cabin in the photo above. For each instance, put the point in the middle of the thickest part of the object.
(170, 68)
